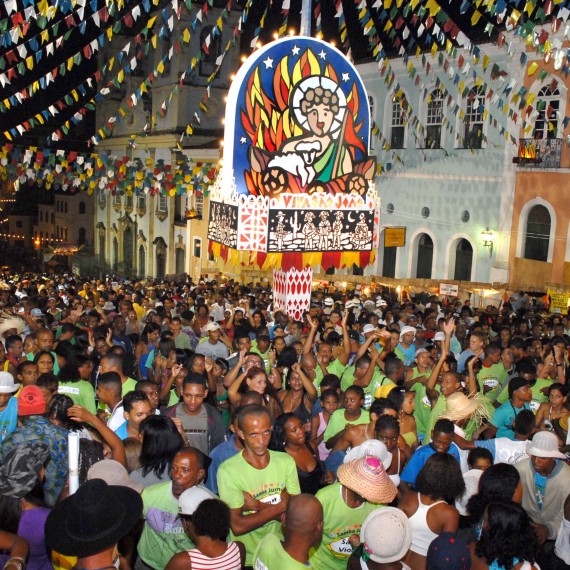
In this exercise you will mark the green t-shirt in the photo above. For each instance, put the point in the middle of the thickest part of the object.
(236, 475)
(265, 356)
(378, 379)
(81, 392)
(129, 386)
(270, 555)
(337, 422)
(537, 396)
(435, 413)
(340, 522)
(334, 367)
(422, 409)
(493, 377)
(163, 534)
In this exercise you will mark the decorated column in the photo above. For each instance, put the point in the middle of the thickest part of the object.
(296, 189)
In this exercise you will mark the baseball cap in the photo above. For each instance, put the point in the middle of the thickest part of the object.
(190, 499)
(211, 327)
(31, 401)
(368, 329)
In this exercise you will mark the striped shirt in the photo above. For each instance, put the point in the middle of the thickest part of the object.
(229, 560)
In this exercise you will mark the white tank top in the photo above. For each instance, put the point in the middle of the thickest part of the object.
(422, 535)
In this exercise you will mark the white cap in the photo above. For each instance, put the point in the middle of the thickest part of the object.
(368, 328)
(406, 330)
(329, 301)
(190, 499)
(439, 336)
(211, 327)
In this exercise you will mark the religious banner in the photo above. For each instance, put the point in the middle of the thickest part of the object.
(296, 162)
(222, 224)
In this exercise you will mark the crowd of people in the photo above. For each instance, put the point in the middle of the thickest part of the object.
(217, 432)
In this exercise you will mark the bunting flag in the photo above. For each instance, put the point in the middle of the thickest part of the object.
(104, 173)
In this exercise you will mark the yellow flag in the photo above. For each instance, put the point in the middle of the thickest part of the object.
(532, 68)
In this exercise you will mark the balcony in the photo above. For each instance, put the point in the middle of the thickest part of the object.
(541, 153)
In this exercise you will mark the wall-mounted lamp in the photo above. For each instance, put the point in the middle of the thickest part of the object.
(488, 238)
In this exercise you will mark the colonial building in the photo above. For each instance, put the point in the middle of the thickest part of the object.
(539, 253)
(447, 177)
(146, 233)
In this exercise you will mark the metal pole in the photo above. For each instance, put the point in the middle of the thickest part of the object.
(306, 18)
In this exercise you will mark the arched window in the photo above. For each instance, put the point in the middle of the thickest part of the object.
(537, 235)
(548, 107)
(434, 119)
(210, 48)
(463, 261)
(142, 261)
(424, 257)
(398, 125)
(82, 207)
(473, 120)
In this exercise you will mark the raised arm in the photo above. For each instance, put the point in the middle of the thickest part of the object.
(310, 340)
(431, 392)
(231, 376)
(366, 379)
(307, 384)
(345, 354)
(80, 414)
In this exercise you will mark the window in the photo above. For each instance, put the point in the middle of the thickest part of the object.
(199, 203)
(425, 212)
(390, 208)
(398, 132)
(82, 207)
(197, 247)
(179, 207)
(372, 137)
(473, 120)
(53, 218)
(162, 203)
(211, 52)
(117, 200)
(537, 235)
(424, 257)
(81, 233)
(434, 119)
(41, 216)
(19, 224)
(129, 202)
(548, 107)
(141, 202)
(465, 216)
(463, 261)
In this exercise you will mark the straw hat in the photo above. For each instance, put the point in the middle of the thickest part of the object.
(367, 477)
(8, 322)
(458, 407)
(373, 447)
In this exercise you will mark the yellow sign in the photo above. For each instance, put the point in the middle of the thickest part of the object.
(558, 301)
(394, 237)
